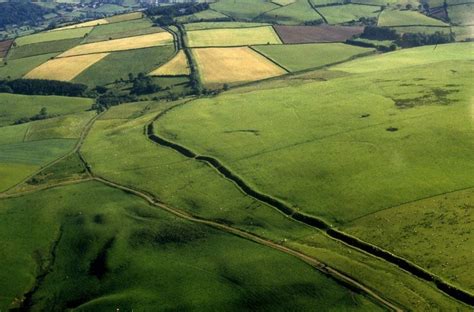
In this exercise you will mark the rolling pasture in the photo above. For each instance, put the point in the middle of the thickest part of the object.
(232, 37)
(401, 18)
(338, 14)
(20, 67)
(122, 30)
(297, 57)
(245, 9)
(298, 12)
(53, 36)
(329, 152)
(41, 48)
(220, 25)
(227, 65)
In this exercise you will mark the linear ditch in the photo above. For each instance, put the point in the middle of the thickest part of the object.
(315, 222)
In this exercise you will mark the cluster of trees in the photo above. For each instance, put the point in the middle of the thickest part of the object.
(380, 33)
(18, 13)
(165, 15)
(409, 40)
(43, 114)
(42, 87)
(143, 84)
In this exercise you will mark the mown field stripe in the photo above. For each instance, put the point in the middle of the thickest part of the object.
(410, 267)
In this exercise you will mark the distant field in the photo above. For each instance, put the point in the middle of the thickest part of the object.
(64, 127)
(463, 33)
(400, 18)
(243, 9)
(121, 30)
(461, 14)
(225, 65)
(40, 48)
(232, 37)
(348, 12)
(118, 65)
(295, 13)
(138, 42)
(125, 17)
(15, 106)
(4, 47)
(319, 3)
(82, 25)
(212, 25)
(53, 36)
(202, 16)
(177, 66)
(422, 29)
(66, 68)
(297, 57)
(323, 33)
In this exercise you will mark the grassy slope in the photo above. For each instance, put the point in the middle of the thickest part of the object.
(348, 12)
(121, 30)
(141, 256)
(118, 65)
(18, 68)
(232, 37)
(53, 35)
(296, 13)
(461, 14)
(304, 56)
(40, 48)
(244, 9)
(400, 18)
(194, 187)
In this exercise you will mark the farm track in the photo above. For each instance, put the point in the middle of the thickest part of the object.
(342, 237)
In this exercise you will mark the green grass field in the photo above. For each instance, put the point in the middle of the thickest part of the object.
(349, 12)
(121, 30)
(400, 18)
(304, 56)
(53, 35)
(118, 65)
(18, 68)
(196, 188)
(461, 14)
(202, 16)
(150, 253)
(40, 48)
(212, 25)
(232, 37)
(298, 12)
(347, 147)
(15, 107)
(244, 9)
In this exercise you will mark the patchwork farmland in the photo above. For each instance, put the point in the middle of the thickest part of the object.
(251, 155)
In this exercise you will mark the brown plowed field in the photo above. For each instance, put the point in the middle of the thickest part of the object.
(4, 47)
(323, 33)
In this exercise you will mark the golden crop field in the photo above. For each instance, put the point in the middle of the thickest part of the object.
(85, 24)
(65, 69)
(227, 65)
(177, 66)
(232, 37)
(129, 43)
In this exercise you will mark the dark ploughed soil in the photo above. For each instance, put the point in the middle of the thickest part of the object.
(322, 33)
(4, 47)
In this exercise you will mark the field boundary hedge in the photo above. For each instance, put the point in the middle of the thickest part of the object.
(410, 267)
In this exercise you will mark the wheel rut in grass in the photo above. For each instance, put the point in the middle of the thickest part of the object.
(450, 290)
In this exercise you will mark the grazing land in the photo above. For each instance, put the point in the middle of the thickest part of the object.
(323, 33)
(232, 37)
(41, 48)
(66, 68)
(131, 43)
(401, 18)
(118, 65)
(461, 14)
(220, 25)
(299, 11)
(122, 30)
(227, 65)
(20, 67)
(338, 14)
(177, 66)
(244, 9)
(207, 15)
(53, 36)
(85, 24)
(297, 57)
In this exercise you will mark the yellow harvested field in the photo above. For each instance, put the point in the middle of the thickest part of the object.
(65, 69)
(129, 43)
(227, 65)
(85, 24)
(232, 37)
(177, 66)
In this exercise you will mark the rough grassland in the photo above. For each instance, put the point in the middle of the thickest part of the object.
(122, 30)
(212, 25)
(425, 231)
(322, 33)
(196, 188)
(283, 2)
(409, 57)
(119, 64)
(400, 18)
(15, 107)
(83, 25)
(125, 17)
(130, 43)
(65, 69)
(303, 56)
(202, 16)
(53, 36)
(349, 12)
(232, 37)
(295, 13)
(41, 48)
(177, 66)
(18, 68)
(461, 14)
(243, 9)
(133, 241)
(224, 65)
